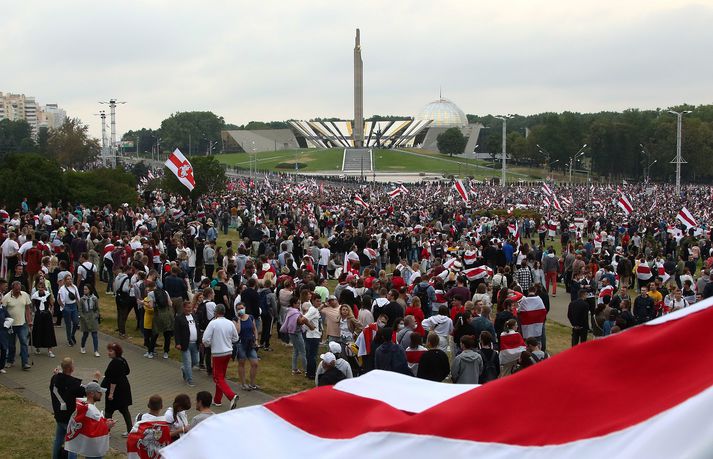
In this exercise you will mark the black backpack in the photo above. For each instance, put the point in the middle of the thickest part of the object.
(89, 274)
(160, 299)
(491, 367)
(422, 294)
(202, 316)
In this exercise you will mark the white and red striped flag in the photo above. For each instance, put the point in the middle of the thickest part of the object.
(531, 313)
(87, 431)
(460, 188)
(685, 217)
(479, 272)
(405, 416)
(661, 272)
(181, 168)
(625, 204)
(557, 204)
(546, 189)
(395, 192)
(643, 272)
(358, 200)
(546, 201)
(404, 190)
(511, 346)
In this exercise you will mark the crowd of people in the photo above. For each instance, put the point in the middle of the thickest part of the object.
(423, 280)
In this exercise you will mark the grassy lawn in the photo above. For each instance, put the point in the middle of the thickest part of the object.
(384, 161)
(21, 435)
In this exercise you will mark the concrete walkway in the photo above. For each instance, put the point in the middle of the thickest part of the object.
(148, 377)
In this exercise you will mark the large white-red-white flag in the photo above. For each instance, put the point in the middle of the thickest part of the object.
(181, 168)
(686, 217)
(388, 414)
(460, 188)
(479, 272)
(625, 204)
(359, 200)
(87, 431)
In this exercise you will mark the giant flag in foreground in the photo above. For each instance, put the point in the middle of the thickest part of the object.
(643, 393)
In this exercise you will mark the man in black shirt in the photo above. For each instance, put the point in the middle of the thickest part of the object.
(64, 391)
(434, 364)
(392, 309)
(578, 315)
(176, 288)
(251, 298)
(644, 306)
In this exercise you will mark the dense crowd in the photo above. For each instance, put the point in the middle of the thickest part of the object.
(429, 282)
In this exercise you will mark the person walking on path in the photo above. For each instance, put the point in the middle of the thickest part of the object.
(220, 335)
(65, 389)
(89, 318)
(68, 297)
(116, 382)
(43, 324)
(187, 341)
(247, 347)
(18, 305)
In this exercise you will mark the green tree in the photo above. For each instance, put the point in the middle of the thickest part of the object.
(451, 141)
(146, 138)
(208, 173)
(99, 187)
(191, 129)
(70, 144)
(15, 136)
(32, 176)
(140, 170)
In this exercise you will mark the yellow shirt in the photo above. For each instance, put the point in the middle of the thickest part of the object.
(656, 296)
(16, 307)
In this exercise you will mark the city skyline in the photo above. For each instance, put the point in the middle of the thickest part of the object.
(276, 61)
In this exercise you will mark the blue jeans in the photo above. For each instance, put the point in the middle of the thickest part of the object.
(22, 332)
(312, 345)
(95, 340)
(298, 348)
(71, 321)
(59, 434)
(189, 359)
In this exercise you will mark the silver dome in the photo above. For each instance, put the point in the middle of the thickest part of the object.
(443, 113)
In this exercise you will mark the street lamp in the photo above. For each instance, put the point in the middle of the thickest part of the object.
(504, 119)
(678, 160)
(573, 159)
(648, 169)
(549, 166)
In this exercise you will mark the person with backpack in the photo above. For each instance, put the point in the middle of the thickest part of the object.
(533, 347)
(86, 273)
(163, 318)
(427, 294)
(122, 286)
(491, 359)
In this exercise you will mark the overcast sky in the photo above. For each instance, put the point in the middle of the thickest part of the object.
(275, 60)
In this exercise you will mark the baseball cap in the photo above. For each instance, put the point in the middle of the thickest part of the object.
(94, 387)
(335, 347)
(331, 297)
(328, 357)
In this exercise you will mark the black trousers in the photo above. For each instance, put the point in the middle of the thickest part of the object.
(166, 341)
(266, 330)
(124, 413)
(579, 335)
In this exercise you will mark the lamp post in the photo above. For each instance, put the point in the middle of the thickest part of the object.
(573, 159)
(678, 160)
(648, 170)
(504, 119)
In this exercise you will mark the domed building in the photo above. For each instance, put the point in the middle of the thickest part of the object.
(443, 114)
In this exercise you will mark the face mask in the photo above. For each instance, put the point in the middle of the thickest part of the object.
(241, 312)
(381, 324)
(401, 326)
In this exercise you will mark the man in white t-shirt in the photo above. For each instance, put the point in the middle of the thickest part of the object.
(186, 330)
(324, 255)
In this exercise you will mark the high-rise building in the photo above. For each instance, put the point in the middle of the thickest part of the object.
(21, 107)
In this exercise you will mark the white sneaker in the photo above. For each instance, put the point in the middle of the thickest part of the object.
(51, 354)
(96, 354)
(82, 350)
(165, 355)
(234, 402)
(146, 354)
(37, 350)
(150, 355)
(3, 371)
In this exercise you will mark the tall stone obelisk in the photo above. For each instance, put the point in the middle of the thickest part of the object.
(358, 127)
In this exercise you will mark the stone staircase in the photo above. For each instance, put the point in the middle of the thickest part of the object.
(356, 160)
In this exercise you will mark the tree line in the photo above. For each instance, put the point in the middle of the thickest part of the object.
(626, 144)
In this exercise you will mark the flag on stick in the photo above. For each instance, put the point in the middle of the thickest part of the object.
(181, 168)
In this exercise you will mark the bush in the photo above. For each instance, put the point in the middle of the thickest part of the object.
(102, 186)
(31, 176)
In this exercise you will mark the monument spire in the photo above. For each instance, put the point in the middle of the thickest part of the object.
(358, 127)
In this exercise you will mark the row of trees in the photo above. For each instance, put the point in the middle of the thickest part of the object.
(69, 145)
(618, 143)
(191, 132)
(39, 178)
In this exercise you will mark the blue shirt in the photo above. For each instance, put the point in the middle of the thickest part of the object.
(508, 250)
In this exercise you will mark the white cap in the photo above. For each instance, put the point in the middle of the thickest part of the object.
(328, 357)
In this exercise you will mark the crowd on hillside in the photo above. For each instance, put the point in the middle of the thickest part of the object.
(430, 282)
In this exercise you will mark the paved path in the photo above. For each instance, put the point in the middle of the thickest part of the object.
(148, 377)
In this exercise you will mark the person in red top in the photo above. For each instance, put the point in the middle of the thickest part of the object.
(33, 258)
(414, 309)
(368, 278)
(397, 281)
(456, 308)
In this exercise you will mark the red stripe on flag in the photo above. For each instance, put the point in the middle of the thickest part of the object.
(537, 316)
